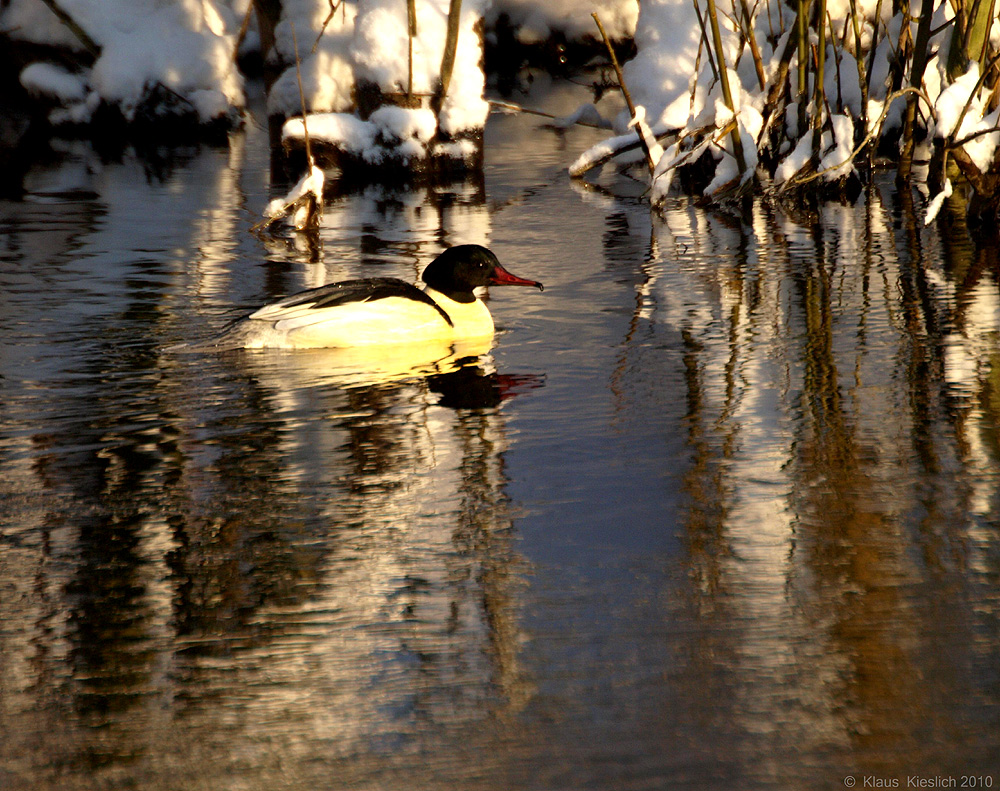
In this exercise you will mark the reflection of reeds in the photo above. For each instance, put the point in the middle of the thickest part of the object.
(847, 343)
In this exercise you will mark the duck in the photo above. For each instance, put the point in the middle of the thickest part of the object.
(381, 311)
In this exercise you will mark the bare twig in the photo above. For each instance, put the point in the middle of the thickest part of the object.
(624, 148)
(625, 93)
(752, 41)
(244, 27)
(302, 96)
(973, 136)
(541, 113)
(860, 61)
(819, 88)
(986, 39)
(837, 58)
(81, 35)
(702, 47)
(334, 5)
(917, 66)
(775, 104)
(874, 46)
(704, 38)
(307, 199)
(872, 133)
(802, 25)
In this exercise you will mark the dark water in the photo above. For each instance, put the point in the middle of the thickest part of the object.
(718, 510)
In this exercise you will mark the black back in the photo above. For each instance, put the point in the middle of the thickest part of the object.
(362, 290)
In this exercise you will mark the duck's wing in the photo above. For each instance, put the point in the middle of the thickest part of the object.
(309, 304)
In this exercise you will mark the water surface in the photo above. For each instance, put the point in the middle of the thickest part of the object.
(718, 509)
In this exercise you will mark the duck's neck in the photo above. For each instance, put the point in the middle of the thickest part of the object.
(471, 319)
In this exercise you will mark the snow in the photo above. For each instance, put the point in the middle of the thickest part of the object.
(380, 47)
(70, 90)
(465, 108)
(459, 149)
(795, 161)
(311, 184)
(380, 53)
(369, 45)
(402, 123)
(187, 46)
(76, 112)
(184, 45)
(673, 78)
(667, 37)
(587, 114)
(47, 79)
(949, 109)
(638, 123)
(937, 202)
(596, 153)
(185, 49)
(391, 134)
(353, 134)
(959, 113)
(836, 162)
(177, 45)
(326, 69)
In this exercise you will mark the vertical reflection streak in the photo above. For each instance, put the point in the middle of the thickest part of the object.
(814, 560)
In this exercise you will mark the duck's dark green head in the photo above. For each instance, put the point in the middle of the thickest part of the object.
(459, 270)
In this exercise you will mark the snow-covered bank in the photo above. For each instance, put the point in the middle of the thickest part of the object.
(181, 57)
(392, 94)
(382, 96)
(164, 57)
(739, 95)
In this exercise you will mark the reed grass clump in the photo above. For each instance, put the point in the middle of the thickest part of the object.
(837, 89)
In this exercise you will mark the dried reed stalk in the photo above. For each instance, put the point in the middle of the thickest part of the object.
(727, 93)
(625, 93)
(450, 46)
(751, 39)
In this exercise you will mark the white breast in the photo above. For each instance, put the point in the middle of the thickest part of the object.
(471, 319)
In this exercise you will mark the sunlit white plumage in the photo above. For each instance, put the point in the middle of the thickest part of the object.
(386, 320)
(382, 311)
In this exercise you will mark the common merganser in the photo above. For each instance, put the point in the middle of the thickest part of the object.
(382, 310)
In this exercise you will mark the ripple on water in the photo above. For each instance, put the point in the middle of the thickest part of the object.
(717, 508)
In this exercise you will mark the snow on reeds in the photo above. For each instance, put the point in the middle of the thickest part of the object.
(804, 95)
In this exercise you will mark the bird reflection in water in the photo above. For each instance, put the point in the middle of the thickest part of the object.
(471, 386)
(462, 374)
(389, 527)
